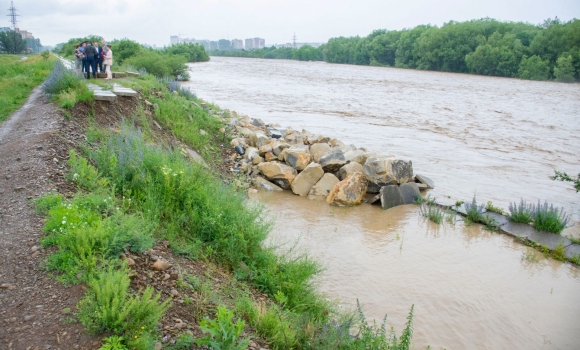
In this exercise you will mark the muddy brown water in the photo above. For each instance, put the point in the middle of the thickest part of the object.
(499, 138)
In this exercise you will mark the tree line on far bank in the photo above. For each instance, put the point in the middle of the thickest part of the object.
(167, 62)
(485, 46)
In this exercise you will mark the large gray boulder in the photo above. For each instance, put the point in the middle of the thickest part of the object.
(279, 146)
(349, 169)
(332, 160)
(258, 139)
(390, 196)
(317, 150)
(385, 171)
(303, 183)
(358, 156)
(251, 153)
(425, 180)
(279, 173)
(324, 185)
(409, 192)
(298, 157)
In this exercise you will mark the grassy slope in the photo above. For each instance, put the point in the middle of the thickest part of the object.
(18, 78)
(134, 194)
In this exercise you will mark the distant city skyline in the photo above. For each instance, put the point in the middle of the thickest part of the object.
(152, 22)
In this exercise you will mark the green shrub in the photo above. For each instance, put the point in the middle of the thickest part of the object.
(549, 219)
(113, 343)
(490, 207)
(160, 65)
(48, 201)
(564, 69)
(534, 68)
(490, 223)
(82, 173)
(67, 99)
(223, 333)
(473, 210)
(108, 305)
(520, 212)
(45, 55)
(193, 52)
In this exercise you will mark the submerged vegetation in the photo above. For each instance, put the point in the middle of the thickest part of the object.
(432, 212)
(561, 176)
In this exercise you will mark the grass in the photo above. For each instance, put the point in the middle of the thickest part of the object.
(490, 207)
(133, 188)
(490, 223)
(18, 78)
(427, 200)
(434, 213)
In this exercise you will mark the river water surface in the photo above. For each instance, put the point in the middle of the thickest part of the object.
(499, 138)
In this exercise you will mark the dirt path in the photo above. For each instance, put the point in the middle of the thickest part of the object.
(33, 307)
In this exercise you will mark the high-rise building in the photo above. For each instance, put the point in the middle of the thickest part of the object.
(237, 44)
(174, 39)
(255, 43)
(249, 44)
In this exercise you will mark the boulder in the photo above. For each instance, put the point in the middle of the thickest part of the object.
(265, 149)
(257, 160)
(349, 192)
(303, 183)
(390, 196)
(278, 147)
(282, 155)
(294, 138)
(258, 139)
(246, 133)
(373, 199)
(349, 169)
(239, 141)
(332, 160)
(386, 171)
(269, 156)
(251, 153)
(409, 192)
(425, 180)
(279, 173)
(317, 150)
(298, 157)
(275, 133)
(348, 148)
(313, 139)
(373, 187)
(358, 156)
(336, 143)
(324, 185)
(257, 122)
(264, 184)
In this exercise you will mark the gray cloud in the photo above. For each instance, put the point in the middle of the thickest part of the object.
(153, 21)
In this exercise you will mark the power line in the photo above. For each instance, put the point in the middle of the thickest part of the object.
(13, 14)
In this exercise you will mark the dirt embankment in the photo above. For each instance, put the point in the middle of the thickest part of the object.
(36, 310)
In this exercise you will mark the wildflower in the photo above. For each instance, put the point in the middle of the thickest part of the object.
(75, 176)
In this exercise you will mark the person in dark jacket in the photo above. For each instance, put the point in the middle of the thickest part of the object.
(99, 56)
(83, 57)
(91, 57)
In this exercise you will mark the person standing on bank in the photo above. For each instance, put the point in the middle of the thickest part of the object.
(91, 53)
(83, 57)
(99, 57)
(109, 62)
(78, 59)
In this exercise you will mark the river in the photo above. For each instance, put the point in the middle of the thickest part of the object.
(497, 138)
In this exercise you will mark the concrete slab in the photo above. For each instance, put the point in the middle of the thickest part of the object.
(425, 180)
(101, 75)
(500, 219)
(124, 92)
(409, 192)
(103, 95)
(517, 229)
(264, 184)
(117, 75)
(547, 239)
(373, 199)
(572, 250)
(422, 187)
(94, 87)
(445, 203)
(132, 74)
(463, 211)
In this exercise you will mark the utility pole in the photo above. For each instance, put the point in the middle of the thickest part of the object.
(13, 21)
(294, 40)
(13, 16)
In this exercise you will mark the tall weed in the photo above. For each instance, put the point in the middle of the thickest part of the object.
(521, 212)
(550, 219)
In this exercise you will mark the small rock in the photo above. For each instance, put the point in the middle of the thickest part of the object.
(28, 317)
(264, 184)
(161, 265)
(166, 277)
(239, 150)
(34, 248)
(425, 180)
(202, 132)
(174, 276)
(174, 293)
(158, 346)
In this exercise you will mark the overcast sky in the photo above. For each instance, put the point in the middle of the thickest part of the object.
(153, 21)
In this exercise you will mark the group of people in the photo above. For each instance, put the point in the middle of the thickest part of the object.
(89, 58)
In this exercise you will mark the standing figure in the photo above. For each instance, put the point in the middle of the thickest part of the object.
(78, 59)
(84, 58)
(98, 57)
(109, 62)
(91, 53)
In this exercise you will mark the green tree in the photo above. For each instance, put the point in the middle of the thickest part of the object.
(12, 42)
(67, 49)
(124, 49)
(193, 52)
(564, 70)
(534, 68)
